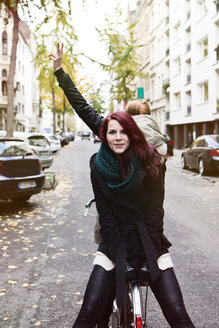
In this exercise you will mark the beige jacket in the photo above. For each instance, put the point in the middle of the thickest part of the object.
(151, 131)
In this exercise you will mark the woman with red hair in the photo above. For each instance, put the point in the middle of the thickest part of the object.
(129, 192)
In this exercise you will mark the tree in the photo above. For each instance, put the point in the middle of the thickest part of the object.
(124, 59)
(96, 100)
(29, 9)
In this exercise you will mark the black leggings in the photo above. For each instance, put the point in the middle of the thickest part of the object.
(100, 293)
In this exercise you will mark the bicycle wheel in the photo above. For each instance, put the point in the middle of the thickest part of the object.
(127, 311)
(115, 316)
(137, 305)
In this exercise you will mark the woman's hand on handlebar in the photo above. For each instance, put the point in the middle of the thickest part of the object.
(57, 58)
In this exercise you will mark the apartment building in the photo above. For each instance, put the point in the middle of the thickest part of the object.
(26, 89)
(184, 65)
(150, 17)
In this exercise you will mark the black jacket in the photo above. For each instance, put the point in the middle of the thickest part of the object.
(87, 113)
(131, 224)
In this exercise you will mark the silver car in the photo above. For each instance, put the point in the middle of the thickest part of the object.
(40, 145)
(55, 143)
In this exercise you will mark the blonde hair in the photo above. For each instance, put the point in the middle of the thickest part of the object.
(137, 107)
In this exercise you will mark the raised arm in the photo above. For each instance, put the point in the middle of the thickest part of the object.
(86, 112)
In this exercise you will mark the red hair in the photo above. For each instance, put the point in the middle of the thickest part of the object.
(145, 152)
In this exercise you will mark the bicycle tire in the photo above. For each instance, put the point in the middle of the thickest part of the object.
(126, 311)
(137, 305)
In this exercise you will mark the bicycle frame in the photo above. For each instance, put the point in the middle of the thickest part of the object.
(133, 313)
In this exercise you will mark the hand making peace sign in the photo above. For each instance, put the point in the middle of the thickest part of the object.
(57, 58)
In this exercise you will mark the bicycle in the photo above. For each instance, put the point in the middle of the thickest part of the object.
(133, 313)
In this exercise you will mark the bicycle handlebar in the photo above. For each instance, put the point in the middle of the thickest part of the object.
(88, 205)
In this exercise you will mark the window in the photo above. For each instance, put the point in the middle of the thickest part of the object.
(4, 88)
(4, 73)
(4, 43)
(201, 8)
(18, 86)
(22, 90)
(177, 99)
(176, 31)
(22, 109)
(204, 91)
(202, 143)
(177, 65)
(203, 48)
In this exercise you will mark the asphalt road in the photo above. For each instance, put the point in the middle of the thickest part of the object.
(47, 248)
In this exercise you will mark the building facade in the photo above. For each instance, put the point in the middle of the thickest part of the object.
(186, 68)
(26, 86)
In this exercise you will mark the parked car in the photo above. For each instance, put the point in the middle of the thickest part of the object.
(21, 173)
(169, 143)
(62, 139)
(85, 136)
(54, 142)
(40, 145)
(70, 136)
(96, 139)
(202, 154)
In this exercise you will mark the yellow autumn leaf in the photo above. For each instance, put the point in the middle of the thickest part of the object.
(38, 323)
(12, 267)
(25, 285)
(53, 297)
(77, 293)
(2, 294)
(12, 282)
(13, 224)
(35, 306)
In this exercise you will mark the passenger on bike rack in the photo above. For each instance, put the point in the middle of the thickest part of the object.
(129, 191)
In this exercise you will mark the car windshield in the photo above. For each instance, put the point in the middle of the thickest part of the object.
(38, 141)
(214, 141)
(53, 137)
(10, 148)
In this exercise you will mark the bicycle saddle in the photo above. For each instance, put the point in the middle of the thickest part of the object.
(131, 274)
(144, 274)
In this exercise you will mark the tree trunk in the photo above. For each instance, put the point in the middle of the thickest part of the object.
(10, 81)
(54, 110)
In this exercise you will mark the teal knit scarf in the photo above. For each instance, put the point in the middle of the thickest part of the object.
(107, 165)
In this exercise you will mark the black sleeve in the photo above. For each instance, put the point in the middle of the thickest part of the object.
(155, 211)
(87, 113)
(110, 229)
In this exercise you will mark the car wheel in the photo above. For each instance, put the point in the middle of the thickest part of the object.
(183, 163)
(201, 167)
(20, 199)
